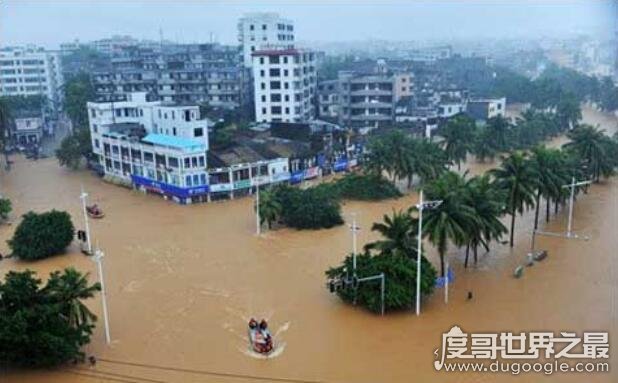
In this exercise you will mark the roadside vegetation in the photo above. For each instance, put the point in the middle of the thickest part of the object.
(42, 235)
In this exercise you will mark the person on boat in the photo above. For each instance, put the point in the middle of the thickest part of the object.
(253, 329)
(266, 336)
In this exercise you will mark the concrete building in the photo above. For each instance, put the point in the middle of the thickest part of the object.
(190, 73)
(163, 148)
(27, 71)
(285, 83)
(27, 129)
(257, 31)
(486, 108)
(328, 99)
(367, 100)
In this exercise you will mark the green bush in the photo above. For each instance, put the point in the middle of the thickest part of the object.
(400, 288)
(313, 208)
(366, 187)
(42, 235)
(5, 208)
(35, 325)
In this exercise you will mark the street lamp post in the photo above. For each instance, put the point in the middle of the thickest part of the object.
(421, 206)
(257, 208)
(98, 258)
(354, 228)
(83, 197)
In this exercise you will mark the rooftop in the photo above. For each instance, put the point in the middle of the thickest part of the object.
(173, 142)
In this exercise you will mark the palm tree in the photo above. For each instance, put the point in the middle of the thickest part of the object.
(270, 208)
(516, 176)
(398, 231)
(458, 137)
(488, 204)
(69, 289)
(588, 143)
(550, 170)
(5, 119)
(452, 218)
(498, 132)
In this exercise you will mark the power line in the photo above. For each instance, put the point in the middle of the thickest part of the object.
(212, 373)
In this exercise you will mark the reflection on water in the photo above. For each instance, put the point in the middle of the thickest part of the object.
(183, 281)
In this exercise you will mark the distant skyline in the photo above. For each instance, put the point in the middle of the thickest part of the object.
(49, 23)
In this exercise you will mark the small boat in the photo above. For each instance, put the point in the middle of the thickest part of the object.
(519, 271)
(94, 211)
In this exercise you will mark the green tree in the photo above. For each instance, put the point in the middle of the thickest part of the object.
(590, 144)
(314, 208)
(70, 288)
(42, 235)
(74, 148)
(516, 176)
(78, 90)
(270, 208)
(458, 137)
(5, 208)
(34, 328)
(398, 234)
(400, 287)
(488, 205)
(365, 187)
(448, 222)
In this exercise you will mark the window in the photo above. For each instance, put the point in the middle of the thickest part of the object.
(173, 130)
(263, 98)
(275, 109)
(173, 162)
(263, 85)
(187, 163)
(261, 59)
(286, 85)
(262, 73)
(173, 115)
(93, 112)
(196, 179)
(188, 181)
(96, 143)
(251, 27)
(148, 157)
(285, 60)
(274, 72)
(264, 27)
(118, 112)
(198, 132)
(202, 179)
(287, 97)
(274, 59)
(275, 85)
(275, 97)
(202, 161)
(285, 72)
(264, 111)
(94, 128)
(194, 162)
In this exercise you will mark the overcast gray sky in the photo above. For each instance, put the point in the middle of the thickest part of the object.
(49, 23)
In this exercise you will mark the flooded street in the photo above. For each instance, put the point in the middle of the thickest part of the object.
(182, 282)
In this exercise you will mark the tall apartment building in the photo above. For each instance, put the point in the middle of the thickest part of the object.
(367, 100)
(27, 71)
(191, 73)
(257, 31)
(285, 83)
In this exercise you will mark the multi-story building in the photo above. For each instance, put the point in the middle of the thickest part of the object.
(192, 73)
(367, 100)
(328, 99)
(285, 83)
(258, 31)
(163, 148)
(485, 108)
(27, 71)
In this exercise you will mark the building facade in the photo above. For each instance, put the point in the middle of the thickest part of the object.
(285, 84)
(191, 73)
(258, 31)
(486, 108)
(367, 100)
(28, 71)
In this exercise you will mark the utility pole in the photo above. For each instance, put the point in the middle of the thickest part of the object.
(83, 197)
(98, 258)
(421, 206)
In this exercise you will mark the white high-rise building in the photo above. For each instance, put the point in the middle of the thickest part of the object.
(258, 31)
(27, 71)
(285, 83)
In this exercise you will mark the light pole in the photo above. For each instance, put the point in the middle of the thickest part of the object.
(98, 258)
(257, 208)
(83, 197)
(354, 228)
(421, 206)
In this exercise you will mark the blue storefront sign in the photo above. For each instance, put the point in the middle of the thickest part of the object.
(164, 188)
(297, 177)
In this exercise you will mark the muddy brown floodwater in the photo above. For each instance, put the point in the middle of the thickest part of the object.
(183, 280)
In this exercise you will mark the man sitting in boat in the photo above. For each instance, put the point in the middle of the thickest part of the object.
(94, 211)
(259, 337)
